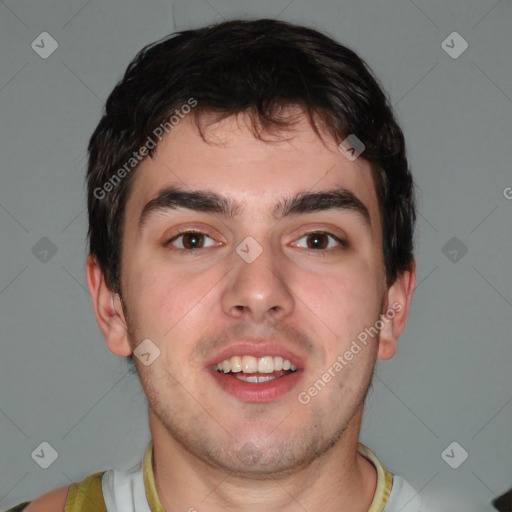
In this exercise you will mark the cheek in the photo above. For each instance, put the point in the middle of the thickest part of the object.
(158, 297)
(339, 304)
(174, 308)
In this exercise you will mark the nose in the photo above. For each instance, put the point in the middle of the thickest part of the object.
(258, 290)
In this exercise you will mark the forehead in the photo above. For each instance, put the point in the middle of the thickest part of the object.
(256, 173)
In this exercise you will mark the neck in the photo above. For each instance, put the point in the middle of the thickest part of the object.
(340, 479)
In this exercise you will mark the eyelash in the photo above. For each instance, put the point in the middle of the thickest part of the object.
(186, 232)
(323, 252)
(318, 252)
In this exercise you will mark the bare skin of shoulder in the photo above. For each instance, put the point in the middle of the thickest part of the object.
(53, 501)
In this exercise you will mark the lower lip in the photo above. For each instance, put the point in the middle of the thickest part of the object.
(254, 392)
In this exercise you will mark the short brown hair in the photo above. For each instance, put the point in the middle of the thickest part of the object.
(254, 66)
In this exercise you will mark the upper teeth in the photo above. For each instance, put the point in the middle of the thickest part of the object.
(250, 364)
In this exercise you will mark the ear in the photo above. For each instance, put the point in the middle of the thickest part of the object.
(107, 309)
(396, 310)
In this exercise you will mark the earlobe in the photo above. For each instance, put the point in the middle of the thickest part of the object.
(394, 317)
(107, 309)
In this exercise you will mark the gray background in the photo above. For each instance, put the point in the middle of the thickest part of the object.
(451, 379)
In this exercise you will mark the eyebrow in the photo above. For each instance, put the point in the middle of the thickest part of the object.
(171, 198)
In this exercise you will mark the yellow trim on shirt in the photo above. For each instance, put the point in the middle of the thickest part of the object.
(86, 495)
(384, 480)
(149, 481)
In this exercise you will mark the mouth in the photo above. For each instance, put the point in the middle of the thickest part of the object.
(256, 379)
(256, 370)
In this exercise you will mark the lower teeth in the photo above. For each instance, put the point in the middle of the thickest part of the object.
(256, 379)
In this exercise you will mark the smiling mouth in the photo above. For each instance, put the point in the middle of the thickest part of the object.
(255, 370)
(257, 379)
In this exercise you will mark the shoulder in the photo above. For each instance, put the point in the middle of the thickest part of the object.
(81, 496)
(54, 501)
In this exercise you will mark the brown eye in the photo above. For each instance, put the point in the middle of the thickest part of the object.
(319, 240)
(191, 240)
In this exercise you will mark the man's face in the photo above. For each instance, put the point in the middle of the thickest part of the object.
(203, 298)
